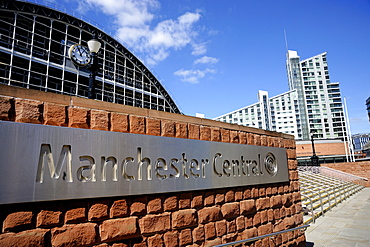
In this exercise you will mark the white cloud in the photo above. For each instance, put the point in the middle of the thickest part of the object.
(193, 76)
(133, 20)
(127, 12)
(199, 49)
(174, 33)
(206, 60)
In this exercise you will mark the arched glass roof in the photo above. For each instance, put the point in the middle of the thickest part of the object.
(34, 46)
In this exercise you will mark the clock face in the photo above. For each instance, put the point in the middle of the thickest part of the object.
(79, 54)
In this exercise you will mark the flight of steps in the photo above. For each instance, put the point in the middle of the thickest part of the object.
(320, 193)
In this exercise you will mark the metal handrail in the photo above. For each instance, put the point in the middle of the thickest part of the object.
(321, 189)
(312, 212)
(263, 236)
(337, 184)
(326, 189)
(320, 197)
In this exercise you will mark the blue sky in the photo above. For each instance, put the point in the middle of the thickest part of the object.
(213, 56)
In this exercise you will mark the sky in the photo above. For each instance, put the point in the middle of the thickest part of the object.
(213, 56)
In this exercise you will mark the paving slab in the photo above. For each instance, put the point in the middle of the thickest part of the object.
(346, 225)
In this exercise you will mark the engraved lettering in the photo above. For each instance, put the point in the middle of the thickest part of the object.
(217, 155)
(141, 162)
(226, 167)
(160, 165)
(214, 164)
(124, 169)
(184, 163)
(105, 162)
(254, 168)
(236, 167)
(194, 166)
(260, 164)
(174, 167)
(86, 173)
(245, 167)
(204, 163)
(46, 156)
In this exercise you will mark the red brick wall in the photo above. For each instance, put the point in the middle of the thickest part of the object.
(193, 218)
(361, 169)
(321, 149)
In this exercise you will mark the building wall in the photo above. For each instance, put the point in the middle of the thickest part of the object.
(295, 82)
(312, 106)
(319, 96)
(285, 114)
(278, 113)
(361, 169)
(321, 149)
(196, 218)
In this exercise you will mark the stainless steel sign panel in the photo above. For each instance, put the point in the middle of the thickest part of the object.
(39, 163)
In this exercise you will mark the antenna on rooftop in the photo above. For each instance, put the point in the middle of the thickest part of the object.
(286, 41)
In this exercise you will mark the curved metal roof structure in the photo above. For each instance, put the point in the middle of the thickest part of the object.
(34, 44)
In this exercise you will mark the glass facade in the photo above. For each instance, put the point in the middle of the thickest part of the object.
(34, 44)
(295, 83)
(322, 99)
(359, 141)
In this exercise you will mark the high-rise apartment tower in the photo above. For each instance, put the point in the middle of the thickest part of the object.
(319, 100)
(312, 106)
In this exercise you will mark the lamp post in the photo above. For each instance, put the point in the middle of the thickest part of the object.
(94, 46)
(314, 158)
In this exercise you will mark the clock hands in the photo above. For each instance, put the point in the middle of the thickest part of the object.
(82, 51)
(80, 55)
(79, 50)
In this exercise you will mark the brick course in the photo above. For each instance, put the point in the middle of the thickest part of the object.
(184, 218)
(55, 114)
(35, 237)
(28, 111)
(98, 212)
(17, 220)
(6, 108)
(118, 229)
(72, 235)
(48, 218)
(75, 215)
(194, 218)
(155, 223)
(99, 120)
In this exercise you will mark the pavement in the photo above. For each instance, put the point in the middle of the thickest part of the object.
(346, 225)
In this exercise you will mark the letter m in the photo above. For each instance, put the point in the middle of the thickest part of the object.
(46, 157)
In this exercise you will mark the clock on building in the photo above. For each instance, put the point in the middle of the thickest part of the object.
(79, 54)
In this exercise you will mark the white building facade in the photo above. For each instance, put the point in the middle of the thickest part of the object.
(279, 113)
(313, 106)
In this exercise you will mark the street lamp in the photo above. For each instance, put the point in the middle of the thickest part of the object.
(314, 158)
(94, 46)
